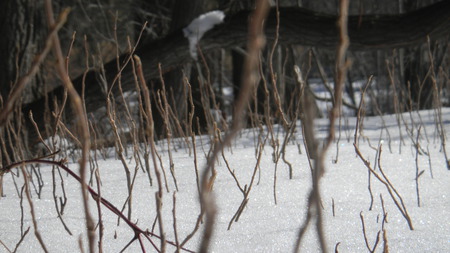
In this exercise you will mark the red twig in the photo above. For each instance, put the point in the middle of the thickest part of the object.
(137, 230)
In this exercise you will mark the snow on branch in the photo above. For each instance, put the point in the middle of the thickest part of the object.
(203, 23)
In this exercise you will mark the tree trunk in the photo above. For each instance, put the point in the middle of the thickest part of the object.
(21, 25)
(23, 29)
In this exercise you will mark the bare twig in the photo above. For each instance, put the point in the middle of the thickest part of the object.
(418, 174)
(336, 247)
(82, 122)
(398, 200)
(314, 208)
(6, 247)
(33, 215)
(165, 109)
(385, 242)
(247, 188)
(276, 95)
(175, 229)
(256, 41)
(374, 247)
(21, 239)
(151, 141)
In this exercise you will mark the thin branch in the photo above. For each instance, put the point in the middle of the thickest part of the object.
(82, 122)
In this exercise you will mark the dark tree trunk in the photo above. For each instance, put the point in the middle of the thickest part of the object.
(23, 29)
(23, 33)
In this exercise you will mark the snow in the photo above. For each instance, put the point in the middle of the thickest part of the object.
(263, 226)
(199, 26)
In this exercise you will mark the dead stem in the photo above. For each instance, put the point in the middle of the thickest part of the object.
(336, 247)
(247, 188)
(55, 199)
(99, 212)
(151, 140)
(82, 123)
(374, 247)
(120, 149)
(310, 145)
(158, 198)
(232, 172)
(164, 105)
(314, 199)
(22, 212)
(385, 218)
(6, 247)
(333, 207)
(398, 200)
(174, 214)
(143, 117)
(396, 103)
(21, 239)
(276, 94)
(256, 42)
(385, 242)
(210, 93)
(418, 174)
(33, 215)
(62, 203)
(38, 132)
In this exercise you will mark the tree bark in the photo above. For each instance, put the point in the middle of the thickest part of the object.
(23, 31)
(21, 23)
(297, 26)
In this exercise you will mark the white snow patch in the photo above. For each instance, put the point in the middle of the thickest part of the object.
(203, 23)
(262, 226)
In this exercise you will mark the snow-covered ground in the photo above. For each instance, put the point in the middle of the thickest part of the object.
(263, 226)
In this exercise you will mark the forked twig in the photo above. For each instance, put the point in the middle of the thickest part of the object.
(398, 200)
(374, 247)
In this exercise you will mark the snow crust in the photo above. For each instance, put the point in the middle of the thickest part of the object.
(263, 226)
(199, 26)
